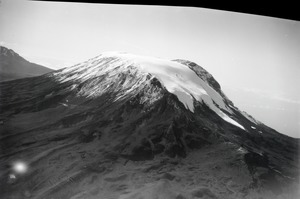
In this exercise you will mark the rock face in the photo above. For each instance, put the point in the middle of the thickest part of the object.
(13, 66)
(122, 126)
(202, 73)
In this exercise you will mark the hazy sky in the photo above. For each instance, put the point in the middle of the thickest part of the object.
(254, 58)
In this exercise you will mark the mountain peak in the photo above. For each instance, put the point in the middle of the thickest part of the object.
(13, 66)
(7, 52)
(188, 84)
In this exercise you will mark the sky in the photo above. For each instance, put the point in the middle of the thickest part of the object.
(254, 58)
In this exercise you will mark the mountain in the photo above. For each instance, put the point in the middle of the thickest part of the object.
(13, 66)
(127, 126)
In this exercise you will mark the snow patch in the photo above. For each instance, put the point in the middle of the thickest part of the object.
(224, 116)
(253, 127)
(228, 119)
(64, 104)
(242, 150)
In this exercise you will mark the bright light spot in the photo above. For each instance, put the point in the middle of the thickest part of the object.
(20, 167)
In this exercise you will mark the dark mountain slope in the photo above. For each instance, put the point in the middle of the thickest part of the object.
(13, 66)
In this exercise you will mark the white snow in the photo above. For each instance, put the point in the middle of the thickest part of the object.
(242, 150)
(181, 81)
(177, 78)
(49, 95)
(63, 104)
(228, 119)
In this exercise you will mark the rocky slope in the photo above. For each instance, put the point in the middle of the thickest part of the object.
(128, 126)
(13, 66)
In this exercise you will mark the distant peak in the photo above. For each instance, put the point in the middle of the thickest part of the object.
(7, 52)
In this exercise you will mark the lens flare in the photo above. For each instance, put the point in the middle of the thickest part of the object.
(20, 167)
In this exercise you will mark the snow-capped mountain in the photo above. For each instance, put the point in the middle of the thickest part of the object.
(13, 66)
(175, 78)
(128, 126)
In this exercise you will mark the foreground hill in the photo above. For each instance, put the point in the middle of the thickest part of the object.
(127, 126)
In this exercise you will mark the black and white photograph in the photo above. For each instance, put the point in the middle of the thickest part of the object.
(136, 101)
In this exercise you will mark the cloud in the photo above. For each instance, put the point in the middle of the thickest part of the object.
(284, 99)
(267, 94)
(266, 107)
